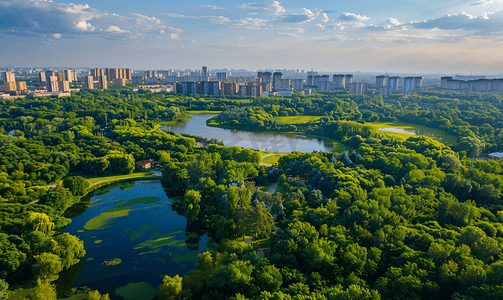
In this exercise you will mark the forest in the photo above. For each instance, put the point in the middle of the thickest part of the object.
(394, 217)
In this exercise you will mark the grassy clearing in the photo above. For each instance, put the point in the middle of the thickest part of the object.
(96, 180)
(297, 119)
(265, 188)
(265, 243)
(106, 219)
(420, 130)
(203, 112)
(271, 160)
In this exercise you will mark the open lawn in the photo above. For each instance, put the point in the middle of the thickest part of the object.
(297, 119)
(95, 180)
(271, 159)
(420, 130)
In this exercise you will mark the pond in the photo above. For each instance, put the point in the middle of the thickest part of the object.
(277, 142)
(398, 130)
(132, 223)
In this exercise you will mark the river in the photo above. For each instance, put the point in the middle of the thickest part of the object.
(277, 142)
(133, 222)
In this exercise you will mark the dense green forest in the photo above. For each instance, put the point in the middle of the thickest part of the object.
(393, 218)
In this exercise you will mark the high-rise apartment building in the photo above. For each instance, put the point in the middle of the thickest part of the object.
(349, 80)
(88, 82)
(63, 86)
(222, 76)
(276, 79)
(230, 88)
(297, 84)
(52, 84)
(98, 72)
(339, 80)
(284, 84)
(209, 88)
(382, 81)
(394, 83)
(412, 84)
(204, 73)
(358, 88)
(41, 79)
(310, 75)
(8, 77)
(68, 75)
(266, 77)
(103, 82)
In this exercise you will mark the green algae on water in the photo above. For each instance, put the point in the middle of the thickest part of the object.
(136, 291)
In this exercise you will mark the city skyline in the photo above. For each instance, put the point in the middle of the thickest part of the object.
(399, 36)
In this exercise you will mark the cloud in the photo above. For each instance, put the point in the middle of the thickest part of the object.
(56, 35)
(47, 18)
(339, 26)
(117, 29)
(350, 17)
(324, 17)
(241, 37)
(289, 34)
(306, 16)
(487, 2)
(267, 8)
(487, 24)
(390, 24)
(333, 38)
(211, 6)
(297, 29)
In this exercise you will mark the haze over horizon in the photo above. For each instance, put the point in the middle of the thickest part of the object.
(397, 36)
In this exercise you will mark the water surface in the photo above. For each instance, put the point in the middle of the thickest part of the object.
(133, 222)
(252, 140)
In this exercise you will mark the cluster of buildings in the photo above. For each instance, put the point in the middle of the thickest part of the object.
(387, 85)
(471, 83)
(11, 85)
(264, 84)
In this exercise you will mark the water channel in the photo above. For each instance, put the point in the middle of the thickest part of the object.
(252, 140)
(133, 222)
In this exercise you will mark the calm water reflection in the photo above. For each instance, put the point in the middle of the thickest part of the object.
(146, 234)
(251, 140)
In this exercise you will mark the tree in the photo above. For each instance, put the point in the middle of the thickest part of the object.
(4, 286)
(46, 264)
(191, 201)
(170, 288)
(41, 222)
(44, 291)
(76, 184)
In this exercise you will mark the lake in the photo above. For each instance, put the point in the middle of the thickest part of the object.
(277, 142)
(133, 222)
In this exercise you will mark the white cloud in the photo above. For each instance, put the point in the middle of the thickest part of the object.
(487, 2)
(351, 17)
(268, 8)
(241, 37)
(324, 17)
(289, 34)
(146, 19)
(211, 6)
(338, 26)
(47, 18)
(487, 24)
(306, 16)
(113, 28)
(297, 29)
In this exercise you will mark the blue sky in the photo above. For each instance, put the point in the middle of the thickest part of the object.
(359, 35)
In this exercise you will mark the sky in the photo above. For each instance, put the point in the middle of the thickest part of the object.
(428, 36)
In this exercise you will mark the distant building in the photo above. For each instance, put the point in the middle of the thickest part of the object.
(120, 82)
(204, 73)
(68, 75)
(88, 83)
(284, 84)
(210, 88)
(230, 89)
(63, 86)
(221, 76)
(9, 77)
(382, 81)
(358, 88)
(146, 164)
(349, 80)
(394, 83)
(297, 84)
(276, 79)
(103, 82)
(339, 80)
(138, 80)
(412, 84)
(41, 78)
(310, 76)
(52, 84)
